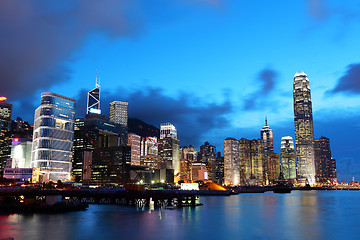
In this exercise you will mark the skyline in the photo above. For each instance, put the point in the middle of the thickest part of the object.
(214, 69)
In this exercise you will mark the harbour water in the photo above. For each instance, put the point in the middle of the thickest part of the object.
(299, 215)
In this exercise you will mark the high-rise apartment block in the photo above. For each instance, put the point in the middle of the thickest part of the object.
(304, 131)
(273, 167)
(288, 166)
(53, 137)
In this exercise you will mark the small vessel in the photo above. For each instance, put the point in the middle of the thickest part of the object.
(282, 186)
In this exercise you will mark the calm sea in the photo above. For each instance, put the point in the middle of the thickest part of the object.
(299, 215)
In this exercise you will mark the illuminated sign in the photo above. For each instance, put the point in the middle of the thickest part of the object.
(189, 186)
(3, 98)
(94, 110)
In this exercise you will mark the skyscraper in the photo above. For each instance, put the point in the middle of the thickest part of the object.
(304, 131)
(266, 134)
(323, 164)
(134, 143)
(169, 149)
(53, 137)
(119, 115)
(288, 166)
(231, 162)
(187, 158)
(5, 138)
(93, 100)
(207, 155)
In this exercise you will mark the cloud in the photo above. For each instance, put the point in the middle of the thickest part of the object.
(267, 79)
(193, 117)
(39, 38)
(317, 9)
(349, 82)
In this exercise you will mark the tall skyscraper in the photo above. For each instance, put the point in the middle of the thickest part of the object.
(252, 159)
(273, 167)
(93, 100)
(288, 166)
(266, 134)
(304, 131)
(187, 158)
(207, 155)
(5, 138)
(231, 162)
(323, 159)
(53, 137)
(169, 149)
(119, 115)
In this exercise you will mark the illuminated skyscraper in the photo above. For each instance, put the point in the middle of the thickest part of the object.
(288, 166)
(168, 130)
(273, 167)
(207, 155)
(5, 138)
(93, 100)
(119, 115)
(231, 162)
(169, 149)
(187, 158)
(134, 142)
(304, 131)
(323, 164)
(266, 134)
(53, 137)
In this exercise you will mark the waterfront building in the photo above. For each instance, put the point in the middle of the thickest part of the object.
(273, 167)
(98, 156)
(304, 131)
(169, 150)
(252, 157)
(323, 165)
(199, 172)
(266, 134)
(288, 166)
(188, 156)
(207, 155)
(332, 172)
(53, 137)
(20, 153)
(149, 160)
(134, 143)
(5, 138)
(219, 167)
(231, 162)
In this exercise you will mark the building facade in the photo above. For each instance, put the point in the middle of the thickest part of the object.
(134, 141)
(266, 134)
(304, 130)
(207, 155)
(188, 156)
(273, 167)
(288, 166)
(231, 162)
(323, 164)
(119, 115)
(5, 138)
(53, 137)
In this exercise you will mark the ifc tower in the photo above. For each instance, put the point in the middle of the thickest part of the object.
(304, 130)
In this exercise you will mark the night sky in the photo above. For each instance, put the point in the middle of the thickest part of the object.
(213, 68)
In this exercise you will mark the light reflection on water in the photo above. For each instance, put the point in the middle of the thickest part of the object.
(299, 215)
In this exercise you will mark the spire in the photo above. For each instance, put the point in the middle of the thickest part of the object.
(265, 120)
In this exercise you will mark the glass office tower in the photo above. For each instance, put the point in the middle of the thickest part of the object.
(304, 130)
(53, 137)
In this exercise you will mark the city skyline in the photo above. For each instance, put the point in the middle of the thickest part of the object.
(198, 65)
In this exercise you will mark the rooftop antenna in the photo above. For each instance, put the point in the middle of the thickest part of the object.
(97, 84)
(265, 120)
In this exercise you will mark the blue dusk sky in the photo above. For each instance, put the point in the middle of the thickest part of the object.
(213, 68)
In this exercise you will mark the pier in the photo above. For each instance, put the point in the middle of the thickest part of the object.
(159, 198)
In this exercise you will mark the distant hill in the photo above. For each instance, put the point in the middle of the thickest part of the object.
(142, 129)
